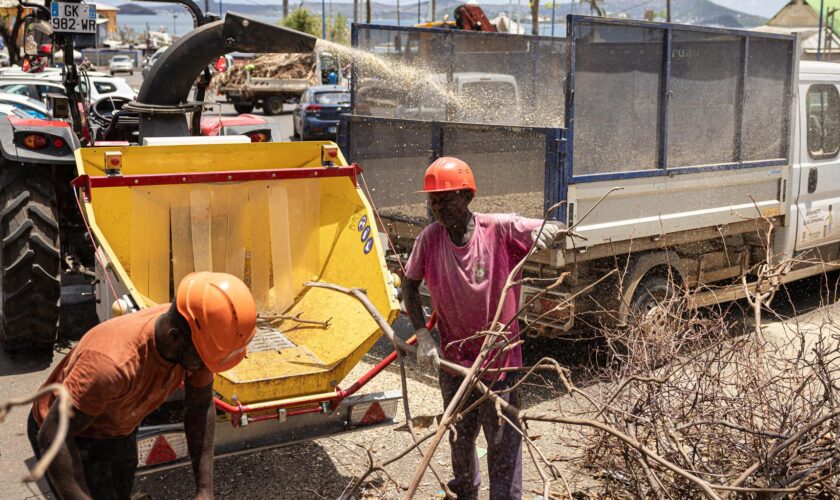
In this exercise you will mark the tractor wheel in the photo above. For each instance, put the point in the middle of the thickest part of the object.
(30, 259)
(244, 108)
(272, 106)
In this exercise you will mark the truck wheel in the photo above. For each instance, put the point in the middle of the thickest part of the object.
(243, 108)
(30, 259)
(273, 106)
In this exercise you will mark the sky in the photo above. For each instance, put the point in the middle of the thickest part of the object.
(765, 8)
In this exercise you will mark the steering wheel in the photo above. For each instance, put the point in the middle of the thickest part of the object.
(105, 107)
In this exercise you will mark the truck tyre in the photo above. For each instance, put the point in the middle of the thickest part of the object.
(30, 259)
(243, 107)
(272, 106)
(651, 307)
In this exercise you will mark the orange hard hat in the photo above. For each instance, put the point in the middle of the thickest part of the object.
(448, 174)
(222, 317)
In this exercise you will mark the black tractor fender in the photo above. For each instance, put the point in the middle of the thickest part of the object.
(55, 146)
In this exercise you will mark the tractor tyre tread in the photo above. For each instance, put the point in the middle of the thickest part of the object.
(30, 259)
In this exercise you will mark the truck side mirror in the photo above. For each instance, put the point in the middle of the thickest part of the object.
(37, 37)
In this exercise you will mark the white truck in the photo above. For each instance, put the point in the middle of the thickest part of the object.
(678, 144)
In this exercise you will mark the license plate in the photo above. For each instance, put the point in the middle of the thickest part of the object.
(67, 17)
(331, 130)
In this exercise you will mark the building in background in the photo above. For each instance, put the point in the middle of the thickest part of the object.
(801, 17)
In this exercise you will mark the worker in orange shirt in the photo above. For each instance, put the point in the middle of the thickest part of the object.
(125, 368)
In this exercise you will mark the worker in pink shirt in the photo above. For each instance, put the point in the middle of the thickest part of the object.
(465, 259)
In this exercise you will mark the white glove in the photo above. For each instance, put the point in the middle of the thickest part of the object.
(428, 353)
(550, 232)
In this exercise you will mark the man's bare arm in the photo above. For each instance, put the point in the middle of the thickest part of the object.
(66, 472)
(200, 427)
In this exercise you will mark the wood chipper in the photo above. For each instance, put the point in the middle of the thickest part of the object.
(277, 215)
(152, 200)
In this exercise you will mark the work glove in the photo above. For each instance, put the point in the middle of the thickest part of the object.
(428, 353)
(543, 239)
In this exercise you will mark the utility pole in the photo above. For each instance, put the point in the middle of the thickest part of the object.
(206, 6)
(668, 11)
(323, 19)
(553, 10)
(286, 9)
(398, 12)
(418, 11)
(819, 33)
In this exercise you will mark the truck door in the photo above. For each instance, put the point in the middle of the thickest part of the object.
(818, 200)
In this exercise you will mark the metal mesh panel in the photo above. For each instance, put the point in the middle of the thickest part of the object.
(702, 110)
(650, 97)
(459, 76)
(765, 126)
(394, 155)
(509, 167)
(617, 85)
(509, 163)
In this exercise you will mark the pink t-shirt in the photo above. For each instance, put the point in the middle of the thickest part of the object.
(466, 282)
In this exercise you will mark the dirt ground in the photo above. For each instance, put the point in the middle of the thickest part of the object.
(323, 468)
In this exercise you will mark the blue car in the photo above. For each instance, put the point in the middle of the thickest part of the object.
(317, 114)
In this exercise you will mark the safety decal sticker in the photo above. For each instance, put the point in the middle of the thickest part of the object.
(368, 245)
(362, 223)
(366, 233)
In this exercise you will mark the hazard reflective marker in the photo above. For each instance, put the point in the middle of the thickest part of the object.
(374, 412)
(161, 449)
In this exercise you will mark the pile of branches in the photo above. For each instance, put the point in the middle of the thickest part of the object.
(274, 66)
(691, 405)
(692, 408)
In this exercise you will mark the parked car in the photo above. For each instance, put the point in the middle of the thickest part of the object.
(121, 64)
(8, 109)
(151, 60)
(36, 108)
(318, 112)
(34, 89)
(102, 85)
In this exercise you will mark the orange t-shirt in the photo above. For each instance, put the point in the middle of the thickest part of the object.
(117, 375)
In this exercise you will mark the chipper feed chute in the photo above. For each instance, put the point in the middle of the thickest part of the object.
(276, 215)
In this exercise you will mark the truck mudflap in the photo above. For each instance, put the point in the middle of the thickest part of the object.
(165, 446)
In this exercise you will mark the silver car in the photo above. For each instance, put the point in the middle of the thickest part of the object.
(121, 64)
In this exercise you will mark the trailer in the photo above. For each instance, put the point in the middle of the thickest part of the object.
(677, 145)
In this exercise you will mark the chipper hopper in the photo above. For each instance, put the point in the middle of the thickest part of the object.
(278, 216)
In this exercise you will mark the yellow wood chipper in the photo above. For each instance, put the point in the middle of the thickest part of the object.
(151, 200)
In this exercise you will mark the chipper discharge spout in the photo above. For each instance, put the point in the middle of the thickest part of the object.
(162, 100)
(277, 215)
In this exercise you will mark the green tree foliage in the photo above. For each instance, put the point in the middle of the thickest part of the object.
(302, 19)
(339, 30)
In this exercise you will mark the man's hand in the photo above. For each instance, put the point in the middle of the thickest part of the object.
(428, 353)
(549, 234)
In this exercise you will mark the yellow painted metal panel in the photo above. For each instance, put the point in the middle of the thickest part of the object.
(220, 207)
(260, 248)
(157, 223)
(281, 246)
(183, 262)
(200, 224)
(140, 225)
(237, 233)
